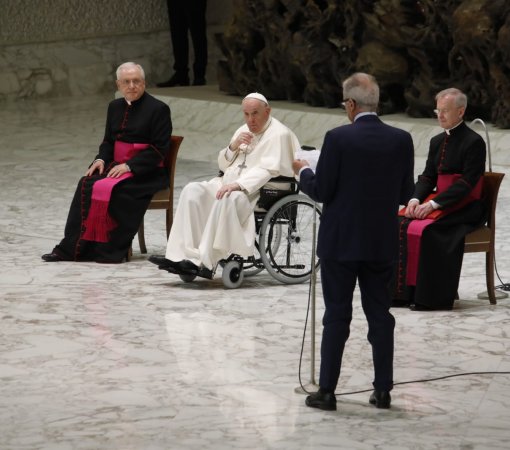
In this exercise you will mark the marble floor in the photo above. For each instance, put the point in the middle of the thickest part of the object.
(128, 357)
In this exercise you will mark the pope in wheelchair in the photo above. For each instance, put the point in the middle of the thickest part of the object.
(214, 220)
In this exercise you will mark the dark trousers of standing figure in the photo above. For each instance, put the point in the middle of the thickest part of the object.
(188, 16)
(338, 283)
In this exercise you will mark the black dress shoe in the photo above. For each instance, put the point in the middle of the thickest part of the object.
(204, 272)
(176, 80)
(380, 399)
(420, 307)
(199, 81)
(162, 262)
(52, 257)
(398, 303)
(157, 259)
(322, 400)
(186, 266)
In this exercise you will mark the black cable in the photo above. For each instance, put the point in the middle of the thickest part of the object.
(425, 380)
(502, 286)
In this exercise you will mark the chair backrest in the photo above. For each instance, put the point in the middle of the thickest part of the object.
(491, 183)
(175, 143)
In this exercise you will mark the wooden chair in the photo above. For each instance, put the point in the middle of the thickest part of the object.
(482, 239)
(164, 199)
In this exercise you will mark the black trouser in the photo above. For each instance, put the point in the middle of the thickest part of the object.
(188, 16)
(338, 283)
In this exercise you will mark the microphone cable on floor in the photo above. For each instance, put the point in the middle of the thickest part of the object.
(423, 380)
(502, 286)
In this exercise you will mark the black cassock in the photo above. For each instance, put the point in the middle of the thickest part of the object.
(144, 121)
(442, 243)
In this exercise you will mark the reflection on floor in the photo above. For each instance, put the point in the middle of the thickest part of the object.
(128, 357)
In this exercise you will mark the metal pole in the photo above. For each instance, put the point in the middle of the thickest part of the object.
(481, 122)
(312, 386)
(499, 294)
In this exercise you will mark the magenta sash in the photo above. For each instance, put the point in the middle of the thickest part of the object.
(99, 223)
(416, 227)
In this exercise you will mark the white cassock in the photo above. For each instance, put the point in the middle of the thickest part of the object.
(206, 230)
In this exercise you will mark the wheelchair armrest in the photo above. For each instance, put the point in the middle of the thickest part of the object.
(282, 179)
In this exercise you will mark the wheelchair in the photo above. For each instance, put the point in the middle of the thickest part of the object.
(286, 222)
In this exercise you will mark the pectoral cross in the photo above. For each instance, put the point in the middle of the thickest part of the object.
(242, 166)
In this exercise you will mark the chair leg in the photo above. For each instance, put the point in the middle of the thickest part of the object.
(141, 238)
(169, 222)
(489, 275)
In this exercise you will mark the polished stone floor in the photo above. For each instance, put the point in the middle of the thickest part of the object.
(128, 357)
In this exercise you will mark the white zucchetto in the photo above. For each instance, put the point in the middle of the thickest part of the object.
(257, 96)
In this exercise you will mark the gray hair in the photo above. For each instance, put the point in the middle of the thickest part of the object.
(363, 89)
(459, 97)
(127, 66)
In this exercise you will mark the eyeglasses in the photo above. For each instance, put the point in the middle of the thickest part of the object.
(135, 82)
(346, 100)
(444, 110)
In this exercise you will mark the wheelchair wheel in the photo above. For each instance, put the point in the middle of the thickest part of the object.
(286, 236)
(232, 275)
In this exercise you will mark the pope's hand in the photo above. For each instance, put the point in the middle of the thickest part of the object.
(227, 189)
(298, 164)
(244, 138)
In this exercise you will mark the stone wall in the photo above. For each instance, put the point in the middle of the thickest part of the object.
(72, 47)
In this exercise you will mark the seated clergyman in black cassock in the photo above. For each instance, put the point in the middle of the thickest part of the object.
(111, 199)
(444, 208)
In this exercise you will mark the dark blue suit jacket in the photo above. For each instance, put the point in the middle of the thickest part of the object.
(364, 172)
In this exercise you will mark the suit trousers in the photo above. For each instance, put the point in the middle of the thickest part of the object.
(338, 283)
(188, 16)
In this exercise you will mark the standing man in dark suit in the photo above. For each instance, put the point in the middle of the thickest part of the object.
(364, 172)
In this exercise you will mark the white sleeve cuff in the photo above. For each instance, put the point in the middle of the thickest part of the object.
(434, 204)
(229, 154)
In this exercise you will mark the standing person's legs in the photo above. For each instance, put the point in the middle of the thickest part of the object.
(179, 35)
(338, 282)
(374, 279)
(196, 16)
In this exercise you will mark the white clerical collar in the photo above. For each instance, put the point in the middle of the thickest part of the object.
(448, 131)
(365, 113)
